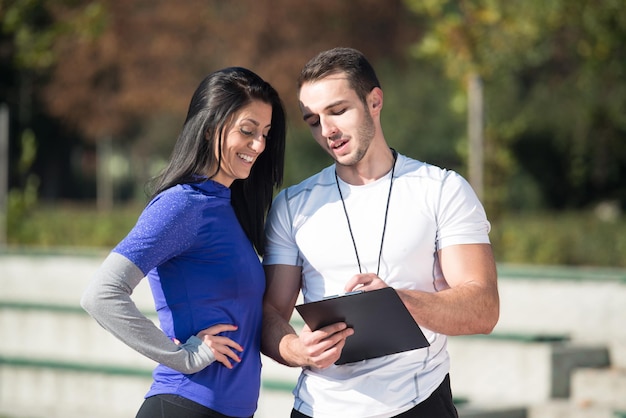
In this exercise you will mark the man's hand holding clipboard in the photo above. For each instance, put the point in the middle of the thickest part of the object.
(382, 324)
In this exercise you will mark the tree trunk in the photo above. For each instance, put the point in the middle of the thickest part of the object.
(475, 123)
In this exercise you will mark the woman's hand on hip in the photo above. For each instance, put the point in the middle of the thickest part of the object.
(223, 347)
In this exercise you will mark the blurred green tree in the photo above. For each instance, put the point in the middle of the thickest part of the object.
(555, 97)
(132, 83)
(29, 32)
(78, 72)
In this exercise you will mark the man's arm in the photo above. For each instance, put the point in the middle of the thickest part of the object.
(280, 342)
(281, 292)
(471, 305)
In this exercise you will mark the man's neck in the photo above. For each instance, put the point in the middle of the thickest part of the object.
(376, 164)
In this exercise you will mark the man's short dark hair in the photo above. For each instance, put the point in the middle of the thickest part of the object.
(359, 72)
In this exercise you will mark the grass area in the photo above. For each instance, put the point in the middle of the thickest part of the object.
(69, 225)
(570, 238)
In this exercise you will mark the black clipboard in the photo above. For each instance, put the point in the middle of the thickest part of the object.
(382, 324)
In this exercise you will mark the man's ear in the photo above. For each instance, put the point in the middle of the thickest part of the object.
(375, 100)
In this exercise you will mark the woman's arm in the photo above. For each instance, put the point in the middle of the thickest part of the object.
(108, 300)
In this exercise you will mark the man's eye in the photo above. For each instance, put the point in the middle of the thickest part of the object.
(339, 112)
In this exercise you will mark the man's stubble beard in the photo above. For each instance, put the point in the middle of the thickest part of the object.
(365, 134)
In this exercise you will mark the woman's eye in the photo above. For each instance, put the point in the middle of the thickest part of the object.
(245, 132)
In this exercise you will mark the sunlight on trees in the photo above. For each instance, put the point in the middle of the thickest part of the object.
(77, 72)
(551, 70)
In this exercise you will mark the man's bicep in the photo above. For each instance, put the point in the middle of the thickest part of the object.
(467, 263)
(282, 288)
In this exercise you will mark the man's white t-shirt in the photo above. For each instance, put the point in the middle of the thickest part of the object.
(429, 208)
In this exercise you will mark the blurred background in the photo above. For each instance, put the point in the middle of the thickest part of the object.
(527, 100)
(93, 94)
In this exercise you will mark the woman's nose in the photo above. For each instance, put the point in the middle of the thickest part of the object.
(257, 144)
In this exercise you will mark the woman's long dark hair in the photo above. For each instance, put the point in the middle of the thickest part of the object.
(213, 107)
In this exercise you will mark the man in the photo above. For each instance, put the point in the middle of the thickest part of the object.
(373, 219)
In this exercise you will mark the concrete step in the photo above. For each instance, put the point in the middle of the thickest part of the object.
(73, 390)
(569, 409)
(590, 300)
(606, 387)
(53, 389)
(69, 334)
(38, 389)
(56, 279)
(617, 346)
(491, 411)
(584, 304)
(74, 353)
(529, 369)
(517, 370)
(79, 368)
(552, 322)
(63, 333)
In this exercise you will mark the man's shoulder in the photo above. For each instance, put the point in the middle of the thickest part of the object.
(411, 167)
(318, 181)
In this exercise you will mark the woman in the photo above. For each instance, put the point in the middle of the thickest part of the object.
(195, 241)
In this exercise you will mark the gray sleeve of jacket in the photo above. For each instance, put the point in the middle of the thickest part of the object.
(108, 300)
